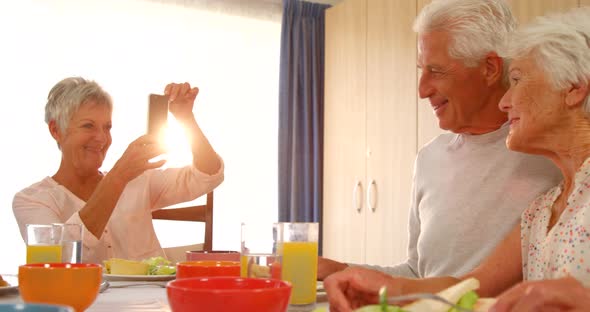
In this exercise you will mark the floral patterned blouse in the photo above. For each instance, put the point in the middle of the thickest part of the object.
(565, 249)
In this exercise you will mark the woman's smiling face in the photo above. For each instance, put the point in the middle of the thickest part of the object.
(87, 138)
(535, 108)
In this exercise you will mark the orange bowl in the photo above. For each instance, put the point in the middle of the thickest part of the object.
(207, 269)
(70, 284)
(228, 294)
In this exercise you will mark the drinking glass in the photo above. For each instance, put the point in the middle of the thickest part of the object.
(43, 243)
(71, 242)
(299, 244)
(260, 257)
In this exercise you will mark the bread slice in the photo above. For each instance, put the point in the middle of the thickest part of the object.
(451, 294)
(127, 267)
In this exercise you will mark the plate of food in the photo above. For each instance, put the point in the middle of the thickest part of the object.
(152, 269)
(8, 284)
(461, 294)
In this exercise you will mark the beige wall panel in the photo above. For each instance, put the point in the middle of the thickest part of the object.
(584, 2)
(391, 127)
(421, 4)
(428, 127)
(526, 10)
(344, 132)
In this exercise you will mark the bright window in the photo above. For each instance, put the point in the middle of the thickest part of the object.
(133, 48)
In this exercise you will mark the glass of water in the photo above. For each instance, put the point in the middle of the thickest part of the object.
(260, 256)
(71, 242)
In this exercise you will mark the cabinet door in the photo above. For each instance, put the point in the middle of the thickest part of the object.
(526, 10)
(584, 2)
(344, 131)
(391, 127)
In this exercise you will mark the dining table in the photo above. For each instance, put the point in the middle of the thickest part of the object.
(132, 296)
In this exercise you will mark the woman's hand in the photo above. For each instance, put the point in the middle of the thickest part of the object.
(135, 159)
(356, 287)
(564, 294)
(182, 99)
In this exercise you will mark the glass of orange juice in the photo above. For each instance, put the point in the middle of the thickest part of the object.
(44, 243)
(299, 247)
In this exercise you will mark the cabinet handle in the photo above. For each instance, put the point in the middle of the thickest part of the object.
(372, 195)
(357, 202)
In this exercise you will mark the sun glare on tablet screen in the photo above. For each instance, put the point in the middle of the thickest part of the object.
(177, 145)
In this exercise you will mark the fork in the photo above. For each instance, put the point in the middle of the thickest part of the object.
(106, 285)
(136, 284)
(416, 296)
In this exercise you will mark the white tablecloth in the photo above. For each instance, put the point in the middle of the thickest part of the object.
(133, 299)
(136, 298)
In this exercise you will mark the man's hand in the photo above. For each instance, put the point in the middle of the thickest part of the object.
(356, 287)
(327, 267)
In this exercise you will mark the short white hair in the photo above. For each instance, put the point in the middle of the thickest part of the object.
(476, 27)
(66, 97)
(560, 45)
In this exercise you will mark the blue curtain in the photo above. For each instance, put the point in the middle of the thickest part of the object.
(301, 111)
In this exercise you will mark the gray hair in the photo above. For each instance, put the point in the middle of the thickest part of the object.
(66, 97)
(476, 27)
(560, 45)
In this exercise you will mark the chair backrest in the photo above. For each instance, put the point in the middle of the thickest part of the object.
(201, 213)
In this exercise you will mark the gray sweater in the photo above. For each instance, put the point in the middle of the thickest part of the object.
(468, 192)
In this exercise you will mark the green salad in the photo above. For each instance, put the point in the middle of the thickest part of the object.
(159, 266)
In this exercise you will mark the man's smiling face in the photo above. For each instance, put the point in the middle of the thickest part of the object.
(456, 92)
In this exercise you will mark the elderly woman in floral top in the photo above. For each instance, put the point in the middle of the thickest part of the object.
(548, 106)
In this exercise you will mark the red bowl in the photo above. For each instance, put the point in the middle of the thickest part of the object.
(207, 269)
(215, 255)
(228, 294)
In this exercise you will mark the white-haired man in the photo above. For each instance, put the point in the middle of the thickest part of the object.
(469, 174)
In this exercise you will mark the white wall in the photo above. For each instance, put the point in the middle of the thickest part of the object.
(133, 48)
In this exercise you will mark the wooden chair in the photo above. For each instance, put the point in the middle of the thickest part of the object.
(201, 213)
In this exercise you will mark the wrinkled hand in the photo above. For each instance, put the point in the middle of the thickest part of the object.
(135, 159)
(182, 99)
(356, 287)
(564, 294)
